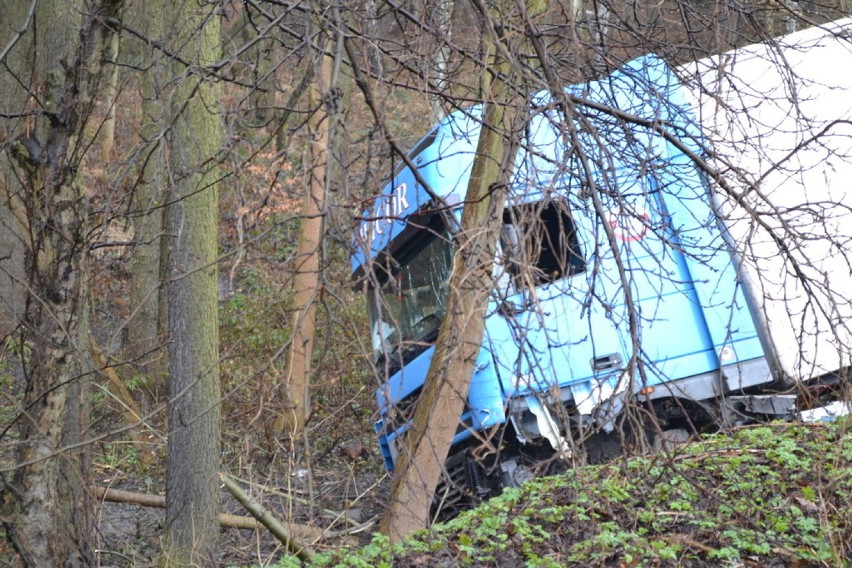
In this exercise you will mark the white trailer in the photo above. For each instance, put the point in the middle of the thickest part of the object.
(777, 120)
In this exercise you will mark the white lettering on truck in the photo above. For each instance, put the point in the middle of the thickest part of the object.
(390, 207)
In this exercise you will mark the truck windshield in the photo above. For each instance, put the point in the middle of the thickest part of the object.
(408, 307)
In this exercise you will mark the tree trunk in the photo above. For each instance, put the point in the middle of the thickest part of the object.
(307, 280)
(110, 99)
(436, 418)
(373, 38)
(13, 220)
(193, 499)
(46, 508)
(147, 322)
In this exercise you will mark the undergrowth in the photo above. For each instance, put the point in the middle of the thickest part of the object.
(774, 495)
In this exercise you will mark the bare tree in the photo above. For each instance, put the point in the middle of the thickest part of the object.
(443, 15)
(148, 318)
(110, 99)
(307, 268)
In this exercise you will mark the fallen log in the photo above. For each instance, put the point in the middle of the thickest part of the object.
(225, 520)
(159, 502)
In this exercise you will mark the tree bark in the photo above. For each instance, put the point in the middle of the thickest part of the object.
(46, 507)
(193, 499)
(110, 100)
(13, 220)
(307, 278)
(147, 323)
(436, 418)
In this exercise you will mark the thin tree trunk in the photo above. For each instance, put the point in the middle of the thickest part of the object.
(307, 278)
(373, 39)
(110, 98)
(443, 21)
(436, 418)
(193, 499)
(147, 323)
(13, 218)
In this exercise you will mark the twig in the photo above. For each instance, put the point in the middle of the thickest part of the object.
(286, 495)
(686, 540)
(23, 29)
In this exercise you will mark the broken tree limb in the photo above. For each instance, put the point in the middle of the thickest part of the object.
(141, 434)
(270, 522)
(353, 527)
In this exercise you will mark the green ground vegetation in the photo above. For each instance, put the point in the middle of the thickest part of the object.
(771, 495)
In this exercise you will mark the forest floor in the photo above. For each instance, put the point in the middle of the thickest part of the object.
(128, 534)
(335, 503)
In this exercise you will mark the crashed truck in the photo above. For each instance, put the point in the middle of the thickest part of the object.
(679, 241)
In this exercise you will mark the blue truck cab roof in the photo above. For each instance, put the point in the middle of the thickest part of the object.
(645, 88)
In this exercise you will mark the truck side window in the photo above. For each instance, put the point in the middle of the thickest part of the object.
(540, 243)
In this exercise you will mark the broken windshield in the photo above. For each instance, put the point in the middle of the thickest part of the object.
(408, 307)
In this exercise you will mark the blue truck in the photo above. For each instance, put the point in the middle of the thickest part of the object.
(675, 256)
